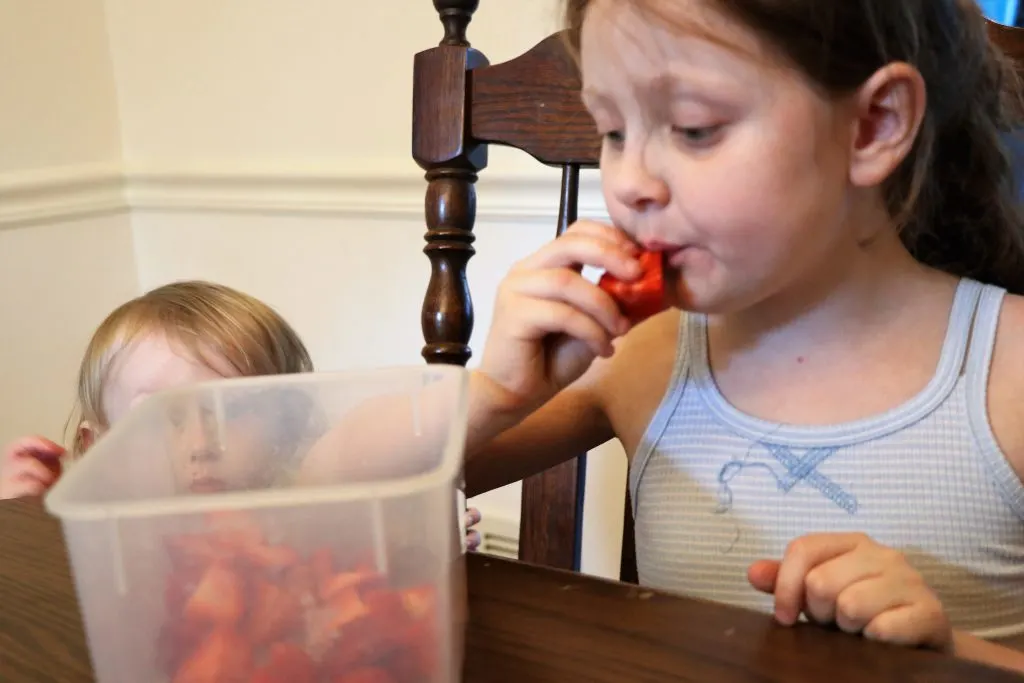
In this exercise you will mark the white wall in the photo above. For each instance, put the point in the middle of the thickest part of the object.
(267, 145)
(65, 241)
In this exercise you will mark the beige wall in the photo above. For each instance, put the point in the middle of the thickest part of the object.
(266, 145)
(66, 253)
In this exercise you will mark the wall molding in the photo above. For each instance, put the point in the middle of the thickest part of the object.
(64, 194)
(53, 195)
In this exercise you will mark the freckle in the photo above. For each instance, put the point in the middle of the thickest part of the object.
(799, 359)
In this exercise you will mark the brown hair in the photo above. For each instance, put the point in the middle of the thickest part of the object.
(205, 318)
(954, 196)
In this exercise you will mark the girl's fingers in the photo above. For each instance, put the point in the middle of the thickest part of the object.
(918, 623)
(537, 318)
(826, 582)
(860, 603)
(566, 286)
(574, 250)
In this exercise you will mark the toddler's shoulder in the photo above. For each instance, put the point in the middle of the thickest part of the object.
(1006, 383)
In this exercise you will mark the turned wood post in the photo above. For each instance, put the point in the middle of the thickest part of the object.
(442, 147)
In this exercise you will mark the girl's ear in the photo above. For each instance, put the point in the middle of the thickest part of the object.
(889, 110)
(86, 436)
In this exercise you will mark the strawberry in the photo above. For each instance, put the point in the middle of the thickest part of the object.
(343, 582)
(419, 602)
(298, 580)
(270, 557)
(274, 613)
(235, 528)
(287, 663)
(644, 297)
(223, 657)
(321, 563)
(177, 639)
(218, 598)
(194, 551)
(366, 674)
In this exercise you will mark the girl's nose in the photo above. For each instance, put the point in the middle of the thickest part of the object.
(638, 187)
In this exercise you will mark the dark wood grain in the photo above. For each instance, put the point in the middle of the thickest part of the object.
(451, 164)
(41, 637)
(533, 103)
(526, 623)
(545, 625)
(551, 510)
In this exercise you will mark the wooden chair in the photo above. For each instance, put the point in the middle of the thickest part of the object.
(462, 104)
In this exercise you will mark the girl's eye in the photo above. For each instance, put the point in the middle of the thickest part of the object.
(697, 136)
(615, 137)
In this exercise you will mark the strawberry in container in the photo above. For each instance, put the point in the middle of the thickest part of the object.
(355, 575)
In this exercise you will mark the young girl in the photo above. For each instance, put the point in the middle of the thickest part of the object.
(175, 335)
(831, 428)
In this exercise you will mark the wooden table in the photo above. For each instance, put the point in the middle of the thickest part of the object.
(526, 624)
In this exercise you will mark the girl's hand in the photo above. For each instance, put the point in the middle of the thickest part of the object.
(550, 323)
(29, 467)
(857, 584)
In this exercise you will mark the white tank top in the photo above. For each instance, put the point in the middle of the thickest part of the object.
(715, 489)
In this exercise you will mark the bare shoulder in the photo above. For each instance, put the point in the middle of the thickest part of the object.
(635, 379)
(1006, 383)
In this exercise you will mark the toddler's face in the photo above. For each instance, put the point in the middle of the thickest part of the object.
(208, 455)
(723, 157)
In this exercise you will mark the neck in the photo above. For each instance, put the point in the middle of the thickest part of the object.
(847, 298)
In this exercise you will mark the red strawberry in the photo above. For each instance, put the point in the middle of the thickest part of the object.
(321, 563)
(271, 557)
(194, 551)
(273, 614)
(218, 598)
(644, 297)
(419, 602)
(345, 581)
(177, 640)
(224, 657)
(326, 623)
(366, 674)
(298, 580)
(287, 663)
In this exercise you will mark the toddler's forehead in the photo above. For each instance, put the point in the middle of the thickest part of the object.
(155, 362)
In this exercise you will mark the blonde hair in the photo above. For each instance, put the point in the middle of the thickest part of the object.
(206, 319)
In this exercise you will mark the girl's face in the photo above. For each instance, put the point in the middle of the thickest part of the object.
(207, 458)
(722, 157)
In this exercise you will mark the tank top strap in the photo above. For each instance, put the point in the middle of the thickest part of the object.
(977, 371)
(667, 406)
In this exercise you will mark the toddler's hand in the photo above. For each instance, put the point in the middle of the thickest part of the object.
(857, 584)
(550, 323)
(29, 467)
(473, 539)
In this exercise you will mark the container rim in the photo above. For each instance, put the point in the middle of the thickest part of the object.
(56, 502)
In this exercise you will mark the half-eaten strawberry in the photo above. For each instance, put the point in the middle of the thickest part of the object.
(643, 297)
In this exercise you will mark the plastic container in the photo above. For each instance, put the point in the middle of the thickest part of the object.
(298, 528)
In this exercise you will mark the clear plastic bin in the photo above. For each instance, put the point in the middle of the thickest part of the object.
(298, 528)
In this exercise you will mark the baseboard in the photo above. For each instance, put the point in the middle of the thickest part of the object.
(360, 190)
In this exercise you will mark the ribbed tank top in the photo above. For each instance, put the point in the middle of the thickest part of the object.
(715, 489)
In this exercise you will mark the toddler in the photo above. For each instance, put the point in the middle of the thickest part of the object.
(178, 334)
